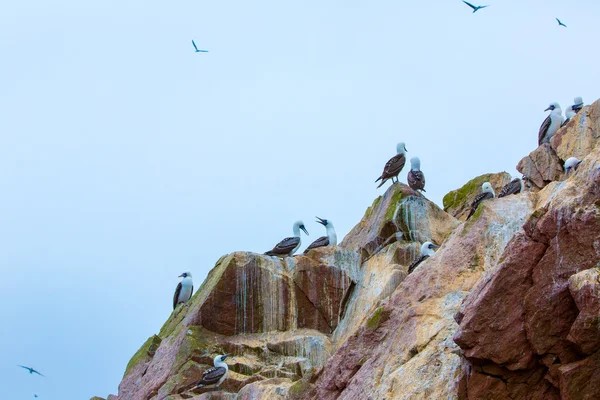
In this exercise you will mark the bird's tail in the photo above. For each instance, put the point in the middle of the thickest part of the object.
(382, 182)
(378, 179)
(269, 253)
(471, 213)
(424, 190)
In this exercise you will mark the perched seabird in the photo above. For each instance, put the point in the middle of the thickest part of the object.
(551, 124)
(426, 251)
(571, 111)
(394, 165)
(571, 164)
(184, 289)
(288, 246)
(560, 23)
(31, 370)
(475, 8)
(513, 187)
(215, 375)
(329, 240)
(487, 192)
(416, 179)
(198, 51)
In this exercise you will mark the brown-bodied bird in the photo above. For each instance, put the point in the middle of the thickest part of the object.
(323, 241)
(487, 192)
(426, 252)
(513, 187)
(416, 178)
(215, 375)
(288, 246)
(394, 166)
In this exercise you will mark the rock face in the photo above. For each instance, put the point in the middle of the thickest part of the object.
(507, 308)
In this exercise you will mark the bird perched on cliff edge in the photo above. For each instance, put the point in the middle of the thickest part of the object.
(394, 166)
(551, 124)
(288, 246)
(31, 370)
(215, 375)
(184, 290)
(329, 240)
(572, 110)
(513, 187)
(426, 251)
(571, 164)
(487, 192)
(416, 178)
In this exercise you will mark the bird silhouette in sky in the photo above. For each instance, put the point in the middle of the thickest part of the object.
(31, 370)
(197, 50)
(560, 23)
(475, 8)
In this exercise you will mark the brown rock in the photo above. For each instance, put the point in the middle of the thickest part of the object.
(541, 166)
(458, 202)
(585, 290)
(581, 379)
(581, 135)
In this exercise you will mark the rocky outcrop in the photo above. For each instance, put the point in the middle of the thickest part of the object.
(508, 307)
(458, 202)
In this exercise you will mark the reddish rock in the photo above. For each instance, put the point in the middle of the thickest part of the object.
(541, 166)
(581, 380)
(585, 290)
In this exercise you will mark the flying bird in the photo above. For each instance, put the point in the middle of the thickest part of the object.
(288, 246)
(323, 241)
(31, 370)
(215, 375)
(416, 178)
(513, 187)
(426, 252)
(560, 23)
(196, 47)
(551, 124)
(475, 8)
(184, 290)
(487, 192)
(394, 166)
(571, 164)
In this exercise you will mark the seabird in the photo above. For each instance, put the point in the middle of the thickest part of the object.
(551, 124)
(560, 23)
(394, 165)
(426, 251)
(487, 192)
(513, 187)
(571, 164)
(329, 240)
(416, 179)
(288, 246)
(31, 370)
(198, 51)
(184, 289)
(571, 111)
(215, 375)
(475, 8)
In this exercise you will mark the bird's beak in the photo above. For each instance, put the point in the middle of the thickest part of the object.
(226, 355)
(549, 108)
(180, 276)
(435, 246)
(320, 220)
(304, 229)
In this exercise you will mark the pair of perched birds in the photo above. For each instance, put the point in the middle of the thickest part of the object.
(555, 120)
(288, 246)
(391, 170)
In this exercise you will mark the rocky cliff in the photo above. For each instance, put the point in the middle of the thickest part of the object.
(508, 307)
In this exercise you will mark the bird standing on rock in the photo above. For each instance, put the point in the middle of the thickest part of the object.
(329, 240)
(288, 246)
(571, 164)
(426, 252)
(513, 187)
(394, 166)
(184, 290)
(215, 375)
(416, 178)
(551, 124)
(487, 192)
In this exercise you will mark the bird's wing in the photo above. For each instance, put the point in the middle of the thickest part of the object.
(320, 242)
(194, 43)
(416, 263)
(176, 295)
(286, 245)
(35, 372)
(469, 4)
(393, 166)
(513, 187)
(577, 108)
(544, 129)
(212, 376)
(566, 121)
(480, 197)
(416, 180)
(192, 292)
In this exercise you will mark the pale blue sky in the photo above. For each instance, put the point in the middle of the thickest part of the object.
(126, 158)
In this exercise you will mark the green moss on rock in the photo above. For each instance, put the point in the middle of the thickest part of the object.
(299, 388)
(459, 197)
(145, 352)
(379, 316)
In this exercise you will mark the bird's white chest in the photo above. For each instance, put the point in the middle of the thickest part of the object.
(186, 290)
(556, 121)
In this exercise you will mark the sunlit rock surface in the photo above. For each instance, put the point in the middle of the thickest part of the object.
(507, 308)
